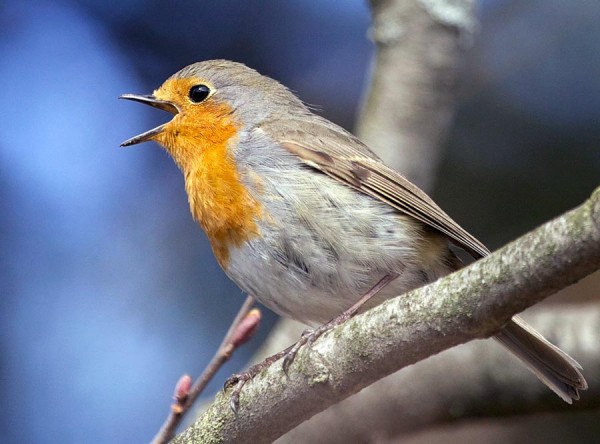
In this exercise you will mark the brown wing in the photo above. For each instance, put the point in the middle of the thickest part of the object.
(335, 152)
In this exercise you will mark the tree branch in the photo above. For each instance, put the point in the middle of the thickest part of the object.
(472, 303)
(414, 84)
(469, 381)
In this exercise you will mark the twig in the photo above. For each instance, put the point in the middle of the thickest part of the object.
(240, 330)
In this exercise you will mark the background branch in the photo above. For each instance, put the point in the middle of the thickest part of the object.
(414, 84)
(472, 303)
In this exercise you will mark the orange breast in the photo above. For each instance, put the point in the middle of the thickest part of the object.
(199, 139)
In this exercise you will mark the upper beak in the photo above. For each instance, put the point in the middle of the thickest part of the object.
(154, 102)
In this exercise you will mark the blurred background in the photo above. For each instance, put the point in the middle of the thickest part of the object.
(109, 291)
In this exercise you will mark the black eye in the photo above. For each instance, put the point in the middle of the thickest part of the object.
(198, 93)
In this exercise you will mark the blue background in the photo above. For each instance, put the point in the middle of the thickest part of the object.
(109, 291)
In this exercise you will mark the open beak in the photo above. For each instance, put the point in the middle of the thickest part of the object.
(154, 102)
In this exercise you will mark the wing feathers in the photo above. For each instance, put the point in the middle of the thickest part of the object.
(343, 157)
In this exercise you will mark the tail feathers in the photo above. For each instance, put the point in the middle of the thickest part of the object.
(550, 364)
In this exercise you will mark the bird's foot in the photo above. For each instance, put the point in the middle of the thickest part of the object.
(308, 337)
(238, 380)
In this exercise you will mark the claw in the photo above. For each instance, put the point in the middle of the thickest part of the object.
(234, 405)
(290, 356)
(237, 381)
(234, 401)
(287, 361)
(231, 381)
(308, 338)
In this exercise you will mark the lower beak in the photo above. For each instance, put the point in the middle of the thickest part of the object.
(154, 102)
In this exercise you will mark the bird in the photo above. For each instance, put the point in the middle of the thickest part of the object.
(304, 216)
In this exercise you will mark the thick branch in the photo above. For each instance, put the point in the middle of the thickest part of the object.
(472, 303)
(472, 380)
(411, 99)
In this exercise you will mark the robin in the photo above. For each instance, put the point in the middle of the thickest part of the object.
(305, 217)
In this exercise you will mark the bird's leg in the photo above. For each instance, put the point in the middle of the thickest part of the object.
(308, 337)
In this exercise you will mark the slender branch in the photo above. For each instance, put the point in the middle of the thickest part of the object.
(415, 81)
(238, 333)
(472, 303)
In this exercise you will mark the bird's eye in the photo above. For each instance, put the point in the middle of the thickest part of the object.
(198, 93)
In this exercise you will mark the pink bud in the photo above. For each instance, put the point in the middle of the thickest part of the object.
(246, 328)
(182, 389)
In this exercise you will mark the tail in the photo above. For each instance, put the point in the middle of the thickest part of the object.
(550, 364)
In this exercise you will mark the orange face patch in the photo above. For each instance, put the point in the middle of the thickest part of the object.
(199, 139)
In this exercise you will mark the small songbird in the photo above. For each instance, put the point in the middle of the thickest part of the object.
(305, 217)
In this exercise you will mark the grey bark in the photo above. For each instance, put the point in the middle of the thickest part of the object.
(414, 83)
(474, 380)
